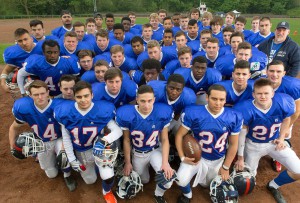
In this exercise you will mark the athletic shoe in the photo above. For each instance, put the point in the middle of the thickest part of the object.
(183, 199)
(276, 194)
(71, 183)
(276, 165)
(159, 199)
(110, 197)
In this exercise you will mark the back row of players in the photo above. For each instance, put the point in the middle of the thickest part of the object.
(83, 120)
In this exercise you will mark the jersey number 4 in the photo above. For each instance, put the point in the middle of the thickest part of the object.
(208, 138)
(49, 132)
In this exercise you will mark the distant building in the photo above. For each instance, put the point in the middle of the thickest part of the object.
(236, 13)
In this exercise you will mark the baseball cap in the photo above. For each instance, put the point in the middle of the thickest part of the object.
(283, 24)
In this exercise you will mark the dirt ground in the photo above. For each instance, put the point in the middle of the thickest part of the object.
(24, 181)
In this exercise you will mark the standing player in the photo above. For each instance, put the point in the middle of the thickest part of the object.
(264, 32)
(48, 68)
(99, 21)
(255, 24)
(82, 121)
(213, 127)
(109, 22)
(145, 127)
(38, 31)
(66, 20)
(37, 111)
(266, 123)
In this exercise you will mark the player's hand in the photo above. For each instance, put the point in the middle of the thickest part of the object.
(224, 174)
(168, 171)
(190, 161)
(77, 166)
(127, 169)
(239, 164)
(99, 145)
(280, 145)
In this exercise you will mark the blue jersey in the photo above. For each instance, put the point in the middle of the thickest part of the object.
(104, 56)
(127, 93)
(158, 34)
(50, 74)
(257, 38)
(127, 65)
(212, 131)
(291, 86)
(90, 77)
(189, 39)
(111, 43)
(144, 130)
(128, 51)
(84, 126)
(210, 77)
(15, 55)
(170, 67)
(247, 34)
(195, 46)
(126, 38)
(139, 78)
(40, 120)
(60, 31)
(219, 36)
(186, 98)
(264, 125)
(48, 37)
(167, 54)
(211, 63)
(138, 27)
(232, 96)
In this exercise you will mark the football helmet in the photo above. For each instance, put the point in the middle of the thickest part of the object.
(129, 186)
(119, 165)
(223, 191)
(29, 144)
(108, 155)
(243, 180)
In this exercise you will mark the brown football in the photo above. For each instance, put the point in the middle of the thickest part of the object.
(191, 148)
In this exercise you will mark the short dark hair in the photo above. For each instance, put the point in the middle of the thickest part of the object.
(195, 10)
(50, 43)
(261, 82)
(169, 30)
(167, 18)
(109, 15)
(125, 18)
(113, 73)
(193, 22)
(37, 84)
(63, 12)
(98, 15)
(151, 64)
(144, 89)
(85, 52)
(228, 29)
(35, 23)
(118, 26)
(242, 64)
(216, 87)
(199, 59)
(80, 85)
(68, 78)
(136, 39)
(217, 20)
(237, 34)
(241, 19)
(20, 31)
(90, 20)
(102, 33)
(276, 62)
(206, 31)
(244, 45)
(176, 78)
(70, 34)
(101, 63)
(180, 33)
(78, 24)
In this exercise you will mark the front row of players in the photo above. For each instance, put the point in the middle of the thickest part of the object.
(89, 134)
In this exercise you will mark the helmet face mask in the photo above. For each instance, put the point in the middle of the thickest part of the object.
(243, 180)
(108, 156)
(223, 191)
(129, 186)
(29, 143)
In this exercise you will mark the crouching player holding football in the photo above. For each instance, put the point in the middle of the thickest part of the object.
(266, 123)
(145, 126)
(213, 126)
(37, 111)
(82, 123)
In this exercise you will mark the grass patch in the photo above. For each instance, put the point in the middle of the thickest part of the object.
(2, 48)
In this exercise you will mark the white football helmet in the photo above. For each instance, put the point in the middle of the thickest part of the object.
(129, 186)
(108, 156)
(29, 143)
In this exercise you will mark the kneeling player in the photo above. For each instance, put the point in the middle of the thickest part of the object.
(142, 126)
(82, 121)
(213, 126)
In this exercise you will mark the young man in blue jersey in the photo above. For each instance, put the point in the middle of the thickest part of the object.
(239, 25)
(38, 31)
(193, 31)
(264, 33)
(145, 127)
(103, 44)
(135, 48)
(216, 25)
(120, 35)
(49, 68)
(37, 110)
(288, 85)
(66, 19)
(85, 59)
(199, 77)
(240, 87)
(132, 17)
(227, 32)
(15, 55)
(266, 123)
(213, 126)
(82, 122)
(119, 60)
(115, 89)
(109, 22)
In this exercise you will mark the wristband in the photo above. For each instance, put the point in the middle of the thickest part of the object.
(182, 158)
(3, 76)
(226, 168)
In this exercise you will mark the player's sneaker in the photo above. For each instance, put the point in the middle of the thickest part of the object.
(71, 183)
(159, 199)
(276, 165)
(110, 197)
(183, 199)
(276, 194)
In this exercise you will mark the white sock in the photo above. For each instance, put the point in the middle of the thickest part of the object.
(273, 184)
(188, 195)
(67, 174)
(159, 191)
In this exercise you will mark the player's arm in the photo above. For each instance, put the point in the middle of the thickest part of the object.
(6, 70)
(127, 152)
(296, 115)
(165, 153)
(241, 146)
(20, 79)
(13, 132)
(284, 130)
(67, 142)
(115, 132)
(182, 131)
(233, 141)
